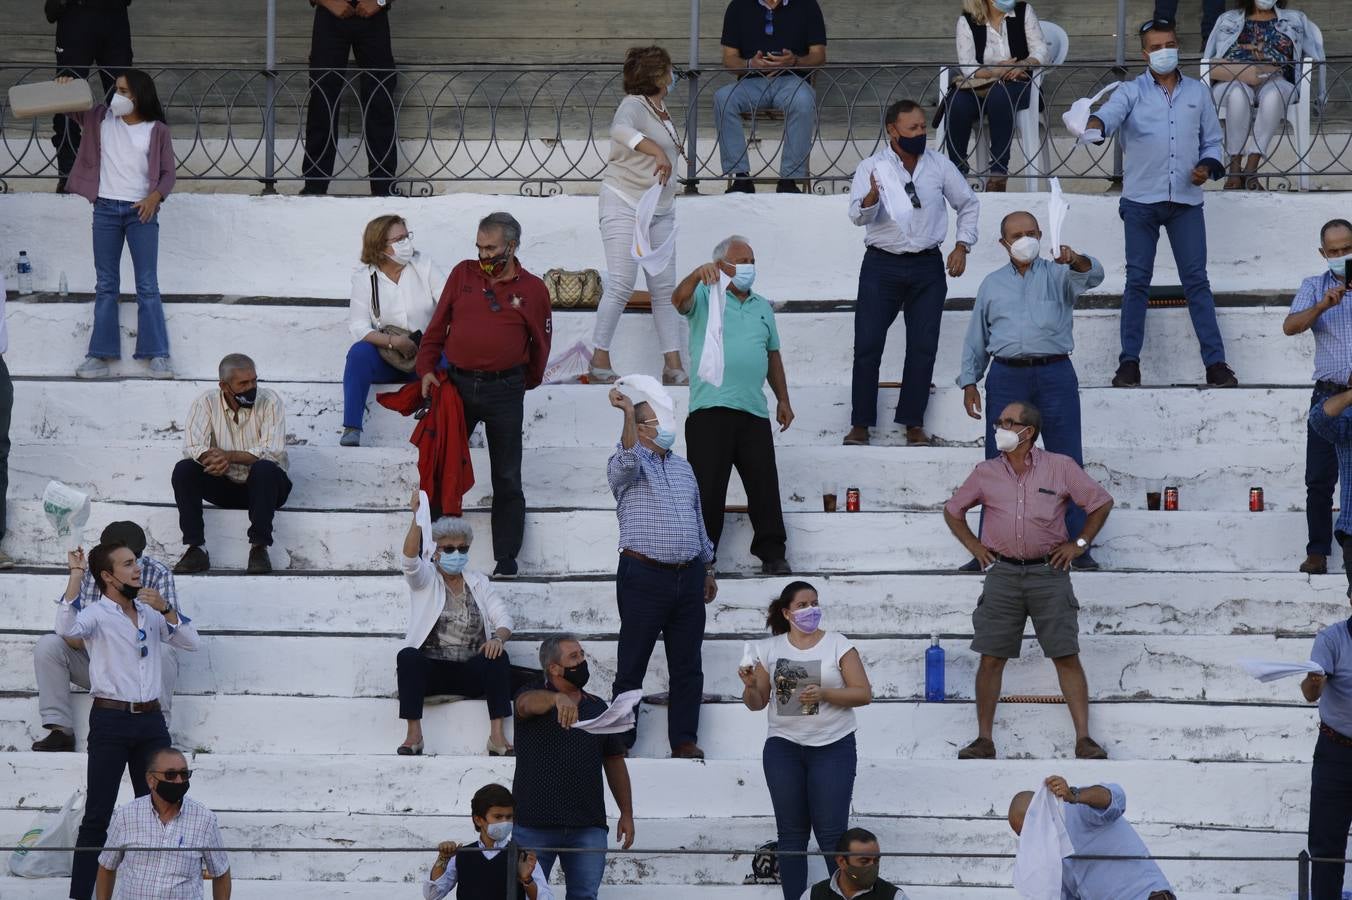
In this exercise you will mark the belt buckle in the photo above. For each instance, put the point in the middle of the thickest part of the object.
(132, 707)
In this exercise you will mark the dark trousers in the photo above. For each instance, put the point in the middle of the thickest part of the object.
(117, 740)
(421, 676)
(716, 440)
(1321, 477)
(997, 106)
(1055, 390)
(1211, 11)
(262, 495)
(500, 405)
(96, 32)
(914, 286)
(6, 409)
(666, 603)
(810, 789)
(1330, 815)
(368, 40)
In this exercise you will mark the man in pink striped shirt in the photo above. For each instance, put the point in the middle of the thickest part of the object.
(1026, 554)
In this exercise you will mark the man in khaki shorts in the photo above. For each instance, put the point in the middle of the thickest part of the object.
(1026, 554)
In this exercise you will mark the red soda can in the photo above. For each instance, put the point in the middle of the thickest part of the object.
(1255, 499)
(1171, 498)
(852, 500)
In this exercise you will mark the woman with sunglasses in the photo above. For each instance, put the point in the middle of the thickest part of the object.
(457, 632)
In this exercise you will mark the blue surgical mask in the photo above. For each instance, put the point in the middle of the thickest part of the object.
(674, 81)
(1338, 266)
(745, 277)
(1164, 61)
(666, 438)
(452, 562)
(1005, 6)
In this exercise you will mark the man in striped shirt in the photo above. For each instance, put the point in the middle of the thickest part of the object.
(235, 458)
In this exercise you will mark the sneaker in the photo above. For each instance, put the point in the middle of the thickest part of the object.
(351, 438)
(741, 184)
(1221, 375)
(259, 563)
(787, 186)
(1088, 748)
(56, 741)
(161, 367)
(1128, 374)
(193, 562)
(1084, 563)
(92, 367)
(506, 568)
(6, 561)
(981, 748)
(776, 567)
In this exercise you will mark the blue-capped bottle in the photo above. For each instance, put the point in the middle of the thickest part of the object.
(934, 671)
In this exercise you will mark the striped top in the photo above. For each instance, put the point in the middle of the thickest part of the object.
(260, 430)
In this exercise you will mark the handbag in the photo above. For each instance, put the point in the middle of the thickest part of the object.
(573, 290)
(978, 86)
(395, 358)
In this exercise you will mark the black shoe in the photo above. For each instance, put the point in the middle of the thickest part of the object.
(971, 566)
(193, 562)
(787, 186)
(1128, 374)
(314, 190)
(1084, 563)
(506, 568)
(741, 184)
(1221, 375)
(776, 567)
(56, 741)
(259, 563)
(61, 186)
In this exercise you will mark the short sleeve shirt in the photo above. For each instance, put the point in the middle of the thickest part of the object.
(795, 25)
(559, 775)
(1331, 647)
(790, 671)
(749, 336)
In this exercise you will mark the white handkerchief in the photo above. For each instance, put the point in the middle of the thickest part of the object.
(1090, 136)
(647, 389)
(1057, 207)
(618, 718)
(423, 519)
(891, 190)
(711, 356)
(654, 260)
(1043, 844)
(1271, 670)
(1076, 118)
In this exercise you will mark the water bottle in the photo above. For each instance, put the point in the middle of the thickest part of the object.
(25, 268)
(934, 671)
(62, 286)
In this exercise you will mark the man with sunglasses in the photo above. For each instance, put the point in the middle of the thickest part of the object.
(123, 633)
(166, 818)
(1172, 143)
(490, 337)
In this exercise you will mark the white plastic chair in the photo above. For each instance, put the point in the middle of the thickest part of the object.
(1027, 122)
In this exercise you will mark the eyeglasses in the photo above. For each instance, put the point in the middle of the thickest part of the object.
(1009, 423)
(769, 21)
(457, 548)
(406, 234)
(423, 410)
(492, 300)
(1157, 25)
(141, 636)
(910, 192)
(175, 774)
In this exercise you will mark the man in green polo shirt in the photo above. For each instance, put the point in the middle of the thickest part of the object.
(734, 351)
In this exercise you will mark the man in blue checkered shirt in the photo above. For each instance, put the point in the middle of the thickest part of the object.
(666, 568)
(1318, 308)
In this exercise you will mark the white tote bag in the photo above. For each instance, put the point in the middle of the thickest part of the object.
(49, 830)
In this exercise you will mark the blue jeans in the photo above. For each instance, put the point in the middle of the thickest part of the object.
(1330, 815)
(810, 788)
(1186, 227)
(1055, 390)
(998, 106)
(786, 92)
(116, 223)
(1321, 477)
(582, 872)
(916, 287)
(364, 368)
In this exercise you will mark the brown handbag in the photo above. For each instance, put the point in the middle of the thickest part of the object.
(392, 356)
(573, 290)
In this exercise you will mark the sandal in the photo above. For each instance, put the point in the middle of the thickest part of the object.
(676, 377)
(602, 376)
(410, 749)
(500, 750)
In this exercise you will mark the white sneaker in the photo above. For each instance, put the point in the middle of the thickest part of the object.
(92, 367)
(161, 367)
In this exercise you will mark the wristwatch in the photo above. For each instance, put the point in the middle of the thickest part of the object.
(1081, 543)
(1074, 795)
(382, 3)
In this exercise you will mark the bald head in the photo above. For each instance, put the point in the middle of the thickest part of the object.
(1017, 224)
(1018, 810)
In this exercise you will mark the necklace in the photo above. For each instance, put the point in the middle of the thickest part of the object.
(658, 113)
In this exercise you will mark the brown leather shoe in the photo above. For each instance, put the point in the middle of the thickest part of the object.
(916, 437)
(856, 437)
(981, 748)
(1315, 565)
(1088, 748)
(688, 750)
(56, 741)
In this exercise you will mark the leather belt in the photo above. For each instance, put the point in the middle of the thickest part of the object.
(932, 251)
(148, 706)
(1013, 561)
(674, 567)
(488, 376)
(1330, 387)
(1163, 895)
(1025, 362)
(1335, 736)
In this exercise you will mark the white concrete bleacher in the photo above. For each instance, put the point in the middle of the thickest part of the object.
(288, 708)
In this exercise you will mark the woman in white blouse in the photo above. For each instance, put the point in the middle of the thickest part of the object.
(810, 680)
(395, 286)
(644, 147)
(999, 41)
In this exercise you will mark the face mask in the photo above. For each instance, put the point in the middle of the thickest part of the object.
(452, 563)
(495, 265)
(745, 277)
(913, 145)
(401, 251)
(1025, 249)
(172, 791)
(121, 105)
(862, 876)
(1265, 5)
(247, 398)
(674, 81)
(577, 676)
(1005, 6)
(128, 592)
(1006, 440)
(1338, 266)
(500, 832)
(1164, 61)
(807, 619)
(665, 438)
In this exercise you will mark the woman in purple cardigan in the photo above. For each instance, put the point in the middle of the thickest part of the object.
(126, 168)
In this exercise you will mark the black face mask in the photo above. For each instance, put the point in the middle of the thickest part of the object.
(914, 145)
(172, 791)
(247, 398)
(128, 592)
(577, 676)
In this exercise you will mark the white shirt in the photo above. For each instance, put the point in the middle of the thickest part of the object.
(997, 42)
(435, 890)
(408, 304)
(117, 668)
(124, 160)
(938, 184)
(151, 875)
(794, 669)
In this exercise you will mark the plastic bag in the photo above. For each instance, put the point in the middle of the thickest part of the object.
(48, 830)
(66, 508)
(569, 366)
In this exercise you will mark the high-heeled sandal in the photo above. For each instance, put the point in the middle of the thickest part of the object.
(601, 376)
(674, 377)
(410, 749)
(500, 749)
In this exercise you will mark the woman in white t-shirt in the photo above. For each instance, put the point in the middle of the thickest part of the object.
(811, 681)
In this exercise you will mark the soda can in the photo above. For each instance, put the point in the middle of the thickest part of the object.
(1255, 499)
(1171, 498)
(852, 500)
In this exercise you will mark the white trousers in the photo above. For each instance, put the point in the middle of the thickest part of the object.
(57, 666)
(617, 235)
(1250, 124)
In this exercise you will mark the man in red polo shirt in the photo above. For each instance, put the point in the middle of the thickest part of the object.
(491, 332)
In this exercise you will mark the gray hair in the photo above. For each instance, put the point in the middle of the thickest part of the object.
(551, 648)
(721, 248)
(235, 362)
(506, 222)
(452, 527)
(1032, 417)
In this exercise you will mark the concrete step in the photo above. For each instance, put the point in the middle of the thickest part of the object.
(70, 412)
(916, 605)
(583, 542)
(310, 342)
(887, 730)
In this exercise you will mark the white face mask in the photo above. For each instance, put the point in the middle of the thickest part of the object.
(401, 251)
(500, 832)
(121, 105)
(1265, 5)
(1006, 440)
(1025, 249)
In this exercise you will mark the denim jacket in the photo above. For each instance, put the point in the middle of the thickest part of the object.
(1292, 23)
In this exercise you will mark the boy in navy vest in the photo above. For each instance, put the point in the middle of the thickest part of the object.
(478, 871)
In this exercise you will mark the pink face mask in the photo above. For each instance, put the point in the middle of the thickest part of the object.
(807, 619)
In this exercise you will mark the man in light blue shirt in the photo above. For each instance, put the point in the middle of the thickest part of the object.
(1331, 774)
(1171, 138)
(1023, 318)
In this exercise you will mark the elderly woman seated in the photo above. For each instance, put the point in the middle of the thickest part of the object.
(458, 626)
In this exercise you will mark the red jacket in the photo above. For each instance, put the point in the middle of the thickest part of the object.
(445, 471)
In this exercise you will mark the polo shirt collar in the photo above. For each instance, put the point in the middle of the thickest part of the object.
(1033, 454)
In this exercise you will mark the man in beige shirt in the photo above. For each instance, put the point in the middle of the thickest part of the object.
(235, 458)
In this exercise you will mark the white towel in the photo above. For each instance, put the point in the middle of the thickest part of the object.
(647, 389)
(1076, 118)
(1043, 844)
(1271, 670)
(711, 356)
(1057, 207)
(891, 189)
(654, 260)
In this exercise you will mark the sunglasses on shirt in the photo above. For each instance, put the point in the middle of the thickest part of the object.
(1157, 25)
(492, 300)
(141, 636)
(910, 192)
